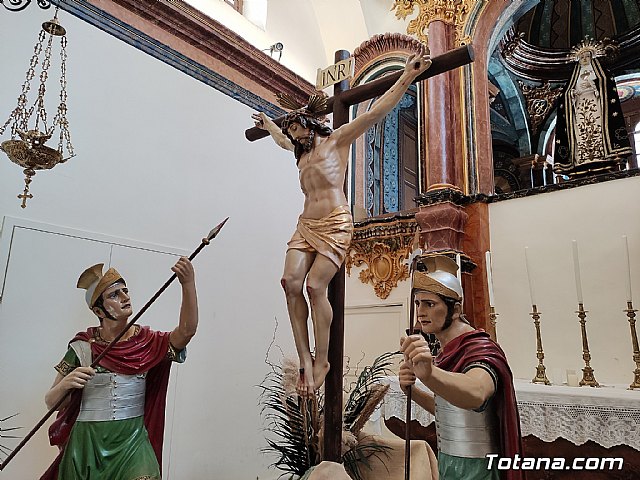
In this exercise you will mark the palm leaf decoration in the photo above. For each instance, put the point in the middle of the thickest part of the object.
(366, 388)
(294, 426)
(4, 450)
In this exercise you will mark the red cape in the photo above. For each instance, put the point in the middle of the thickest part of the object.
(477, 346)
(144, 352)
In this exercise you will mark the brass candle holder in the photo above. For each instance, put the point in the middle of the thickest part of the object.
(631, 313)
(493, 316)
(587, 372)
(541, 375)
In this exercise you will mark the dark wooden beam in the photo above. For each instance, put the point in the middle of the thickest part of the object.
(332, 447)
(442, 63)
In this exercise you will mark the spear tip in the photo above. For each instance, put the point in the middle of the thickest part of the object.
(213, 233)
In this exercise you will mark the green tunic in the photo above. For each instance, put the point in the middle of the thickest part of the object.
(113, 450)
(459, 468)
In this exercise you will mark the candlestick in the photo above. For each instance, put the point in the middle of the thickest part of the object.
(587, 372)
(628, 263)
(489, 278)
(631, 313)
(541, 375)
(576, 271)
(531, 289)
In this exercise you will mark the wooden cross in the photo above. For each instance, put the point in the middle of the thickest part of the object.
(339, 105)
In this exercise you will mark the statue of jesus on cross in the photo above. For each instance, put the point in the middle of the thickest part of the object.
(323, 234)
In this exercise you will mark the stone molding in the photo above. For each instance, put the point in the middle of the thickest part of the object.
(183, 37)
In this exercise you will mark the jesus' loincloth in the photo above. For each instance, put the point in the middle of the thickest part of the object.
(329, 236)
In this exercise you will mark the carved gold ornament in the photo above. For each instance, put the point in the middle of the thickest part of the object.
(452, 12)
(383, 247)
(603, 48)
(540, 101)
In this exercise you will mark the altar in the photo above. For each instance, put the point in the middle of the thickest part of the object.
(555, 420)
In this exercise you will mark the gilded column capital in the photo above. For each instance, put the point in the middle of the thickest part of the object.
(451, 12)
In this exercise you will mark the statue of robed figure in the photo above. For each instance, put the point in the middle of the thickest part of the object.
(591, 136)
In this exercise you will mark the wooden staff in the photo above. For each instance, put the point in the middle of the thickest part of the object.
(407, 424)
(205, 241)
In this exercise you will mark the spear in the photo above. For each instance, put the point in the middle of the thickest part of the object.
(205, 241)
(413, 262)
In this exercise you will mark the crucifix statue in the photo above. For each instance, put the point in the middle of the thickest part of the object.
(323, 234)
(319, 245)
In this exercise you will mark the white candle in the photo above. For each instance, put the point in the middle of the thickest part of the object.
(526, 261)
(489, 278)
(626, 257)
(576, 271)
(572, 378)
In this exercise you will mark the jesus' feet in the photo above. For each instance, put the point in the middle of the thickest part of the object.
(306, 387)
(320, 370)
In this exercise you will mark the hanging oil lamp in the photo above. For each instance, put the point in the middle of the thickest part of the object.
(27, 144)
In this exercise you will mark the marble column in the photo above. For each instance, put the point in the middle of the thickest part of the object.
(450, 221)
(441, 129)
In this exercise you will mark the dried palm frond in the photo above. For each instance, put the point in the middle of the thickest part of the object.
(4, 450)
(375, 397)
(349, 441)
(361, 456)
(368, 378)
(295, 425)
(290, 374)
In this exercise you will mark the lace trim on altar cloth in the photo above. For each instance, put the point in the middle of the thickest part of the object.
(395, 405)
(608, 426)
(607, 416)
(147, 477)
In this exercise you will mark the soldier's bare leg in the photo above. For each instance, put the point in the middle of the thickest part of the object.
(296, 266)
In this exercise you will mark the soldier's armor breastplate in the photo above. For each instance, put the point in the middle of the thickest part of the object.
(112, 396)
(466, 433)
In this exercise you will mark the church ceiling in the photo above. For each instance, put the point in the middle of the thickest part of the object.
(537, 46)
(561, 24)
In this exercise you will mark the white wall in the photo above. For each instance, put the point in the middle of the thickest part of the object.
(311, 30)
(293, 24)
(161, 159)
(373, 325)
(596, 216)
